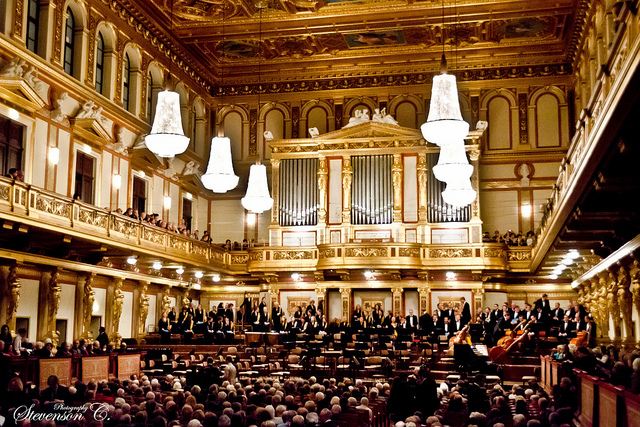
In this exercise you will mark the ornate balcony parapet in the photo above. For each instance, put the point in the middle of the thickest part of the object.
(22, 203)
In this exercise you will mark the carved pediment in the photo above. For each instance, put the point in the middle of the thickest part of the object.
(19, 93)
(93, 130)
(373, 129)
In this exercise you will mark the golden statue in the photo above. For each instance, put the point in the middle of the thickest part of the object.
(89, 297)
(624, 302)
(396, 175)
(347, 173)
(118, 300)
(53, 299)
(635, 283)
(166, 301)
(603, 307)
(614, 307)
(14, 287)
(144, 309)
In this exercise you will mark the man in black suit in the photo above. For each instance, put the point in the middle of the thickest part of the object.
(448, 329)
(543, 303)
(426, 323)
(458, 324)
(557, 314)
(566, 328)
(465, 311)
(54, 391)
(277, 316)
(495, 315)
(412, 320)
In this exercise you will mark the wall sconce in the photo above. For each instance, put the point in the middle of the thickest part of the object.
(54, 155)
(188, 196)
(116, 181)
(251, 219)
(167, 202)
(525, 210)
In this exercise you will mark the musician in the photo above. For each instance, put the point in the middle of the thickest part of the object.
(378, 315)
(228, 312)
(264, 320)
(540, 315)
(515, 314)
(581, 324)
(590, 328)
(198, 319)
(448, 312)
(458, 324)
(567, 327)
(164, 328)
(323, 325)
(172, 316)
(357, 315)
(412, 320)
(447, 328)
(465, 311)
(187, 327)
(495, 315)
(522, 322)
(501, 326)
(277, 315)
(557, 314)
(388, 319)
(438, 312)
(227, 329)
(543, 303)
(311, 308)
(426, 323)
(255, 319)
(403, 326)
(528, 311)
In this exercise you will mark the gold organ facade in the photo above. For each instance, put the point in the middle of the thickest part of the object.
(84, 101)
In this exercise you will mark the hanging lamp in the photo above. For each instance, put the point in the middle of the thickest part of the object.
(257, 199)
(220, 176)
(167, 138)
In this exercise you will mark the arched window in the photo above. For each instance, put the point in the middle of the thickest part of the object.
(149, 95)
(69, 42)
(33, 16)
(100, 64)
(126, 81)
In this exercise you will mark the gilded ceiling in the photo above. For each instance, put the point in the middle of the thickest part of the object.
(290, 40)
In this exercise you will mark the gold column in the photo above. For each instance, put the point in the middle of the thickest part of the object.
(422, 187)
(624, 302)
(13, 288)
(345, 294)
(478, 297)
(347, 176)
(116, 313)
(88, 298)
(425, 299)
(397, 301)
(275, 190)
(603, 307)
(323, 177)
(143, 303)
(474, 155)
(396, 173)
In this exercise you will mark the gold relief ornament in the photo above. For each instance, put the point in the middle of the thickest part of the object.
(239, 259)
(451, 253)
(52, 206)
(88, 298)
(494, 253)
(326, 253)
(396, 173)
(519, 254)
(409, 252)
(256, 255)
(292, 255)
(365, 252)
(624, 302)
(93, 217)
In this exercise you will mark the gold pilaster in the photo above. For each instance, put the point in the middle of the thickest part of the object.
(422, 187)
(143, 304)
(424, 294)
(347, 176)
(345, 295)
(321, 298)
(323, 176)
(116, 313)
(397, 301)
(275, 190)
(53, 291)
(396, 173)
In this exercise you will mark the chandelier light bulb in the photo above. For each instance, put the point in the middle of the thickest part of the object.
(215, 278)
(220, 176)
(167, 137)
(198, 274)
(459, 193)
(180, 271)
(132, 260)
(257, 199)
(157, 265)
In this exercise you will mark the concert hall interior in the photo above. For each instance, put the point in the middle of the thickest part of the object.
(306, 212)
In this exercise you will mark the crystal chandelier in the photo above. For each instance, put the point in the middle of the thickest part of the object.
(452, 163)
(167, 138)
(257, 199)
(444, 124)
(220, 176)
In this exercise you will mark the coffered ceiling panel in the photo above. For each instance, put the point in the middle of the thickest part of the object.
(281, 40)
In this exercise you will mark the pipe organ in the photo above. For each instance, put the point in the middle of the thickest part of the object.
(372, 190)
(298, 198)
(372, 182)
(438, 210)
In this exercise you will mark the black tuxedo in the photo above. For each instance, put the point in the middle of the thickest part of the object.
(465, 315)
(558, 314)
(566, 328)
(412, 321)
(276, 316)
(449, 329)
(426, 323)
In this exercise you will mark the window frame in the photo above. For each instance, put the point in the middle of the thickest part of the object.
(126, 82)
(69, 42)
(99, 73)
(33, 22)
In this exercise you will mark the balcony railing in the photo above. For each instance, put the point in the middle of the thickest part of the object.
(23, 203)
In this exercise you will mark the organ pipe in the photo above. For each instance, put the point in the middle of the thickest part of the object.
(372, 190)
(298, 201)
(438, 210)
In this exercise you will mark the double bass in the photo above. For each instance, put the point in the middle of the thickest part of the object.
(500, 352)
